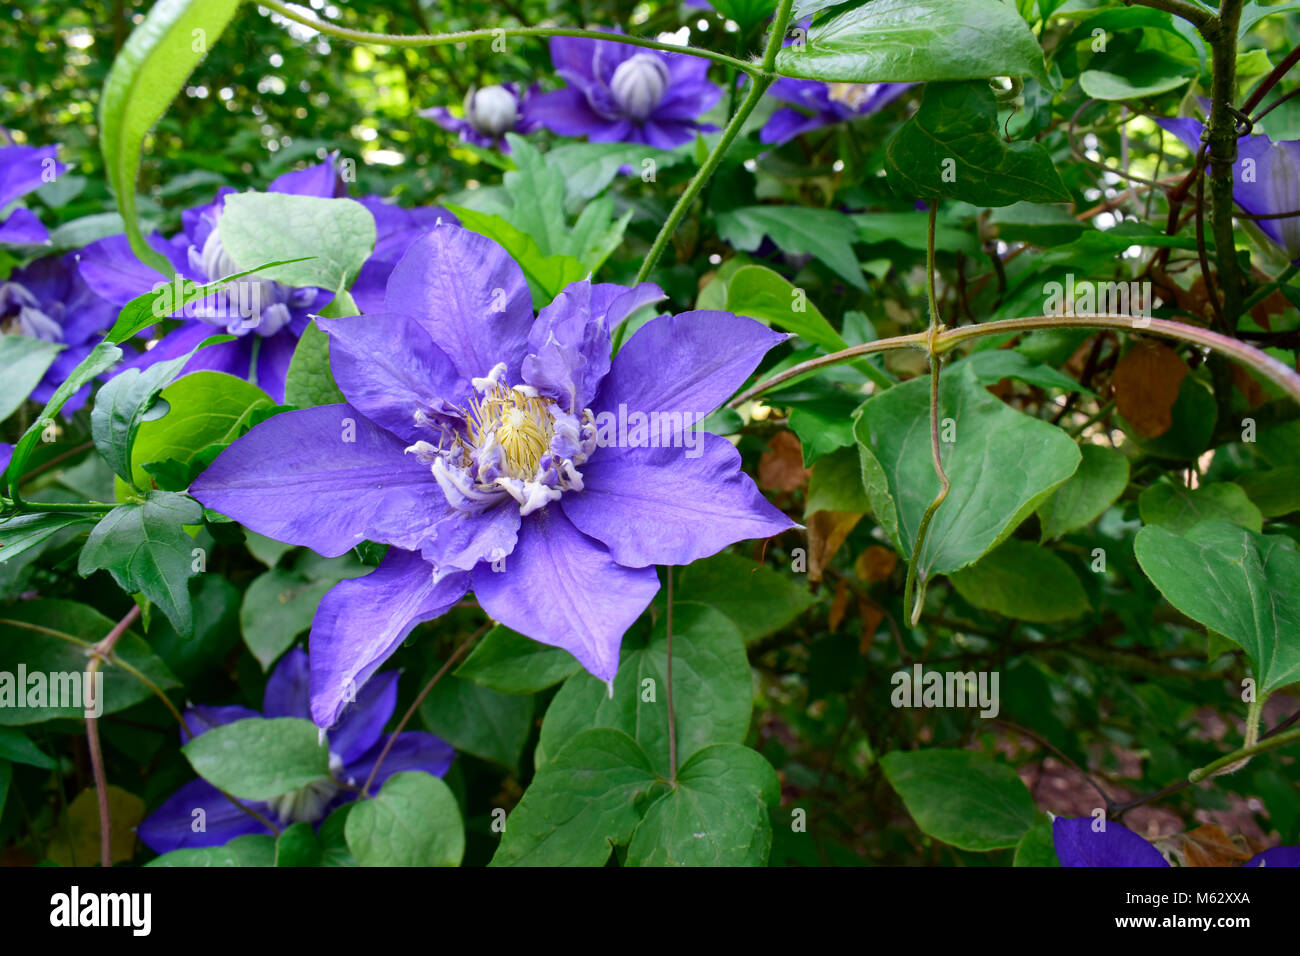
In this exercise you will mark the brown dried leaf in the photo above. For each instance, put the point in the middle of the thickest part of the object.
(1210, 846)
(875, 563)
(826, 532)
(873, 615)
(1146, 383)
(780, 468)
(839, 604)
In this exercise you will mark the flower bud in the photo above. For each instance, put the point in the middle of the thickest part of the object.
(492, 111)
(639, 84)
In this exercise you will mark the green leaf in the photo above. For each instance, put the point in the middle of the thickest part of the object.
(145, 548)
(412, 821)
(588, 168)
(961, 797)
(1150, 74)
(715, 815)
(712, 690)
(1275, 491)
(258, 758)
(216, 631)
(6, 775)
(25, 361)
(171, 297)
(1024, 581)
(479, 720)
(205, 409)
(895, 41)
(1036, 847)
(310, 382)
(825, 424)
(21, 533)
(277, 607)
(747, 14)
(102, 357)
(546, 275)
(1244, 585)
(333, 839)
(762, 294)
(513, 664)
(1002, 465)
(253, 849)
(17, 747)
(993, 365)
(836, 484)
(126, 401)
(296, 846)
(338, 235)
(149, 71)
(54, 637)
(1040, 225)
(580, 802)
(798, 230)
(757, 600)
(953, 149)
(1100, 480)
(1178, 507)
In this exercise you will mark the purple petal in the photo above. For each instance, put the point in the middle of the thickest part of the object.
(564, 589)
(287, 691)
(663, 506)
(1278, 856)
(23, 228)
(111, 269)
(1266, 181)
(362, 722)
(321, 180)
(1186, 129)
(566, 112)
(689, 363)
(171, 826)
(388, 366)
(273, 357)
(575, 55)
(6, 455)
(786, 124)
(361, 621)
(1078, 845)
(461, 541)
(470, 296)
(413, 750)
(24, 168)
(325, 477)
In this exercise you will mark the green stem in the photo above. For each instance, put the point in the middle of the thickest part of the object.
(1264, 291)
(759, 81)
(1268, 743)
(1285, 378)
(22, 506)
(1183, 8)
(936, 365)
(466, 36)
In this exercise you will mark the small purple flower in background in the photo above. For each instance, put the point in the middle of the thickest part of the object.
(48, 300)
(6, 455)
(502, 454)
(1077, 844)
(1265, 180)
(355, 744)
(23, 169)
(815, 105)
(270, 337)
(490, 113)
(621, 93)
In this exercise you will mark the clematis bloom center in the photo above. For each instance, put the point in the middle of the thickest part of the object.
(509, 441)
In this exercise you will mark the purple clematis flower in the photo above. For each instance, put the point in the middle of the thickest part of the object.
(23, 169)
(502, 454)
(269, 336)
(355, 744)
(1077, 844)
(6, 455)
(815, 105)
(1265, 180)
(621, 93)
(490, 113)
(48, 300)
